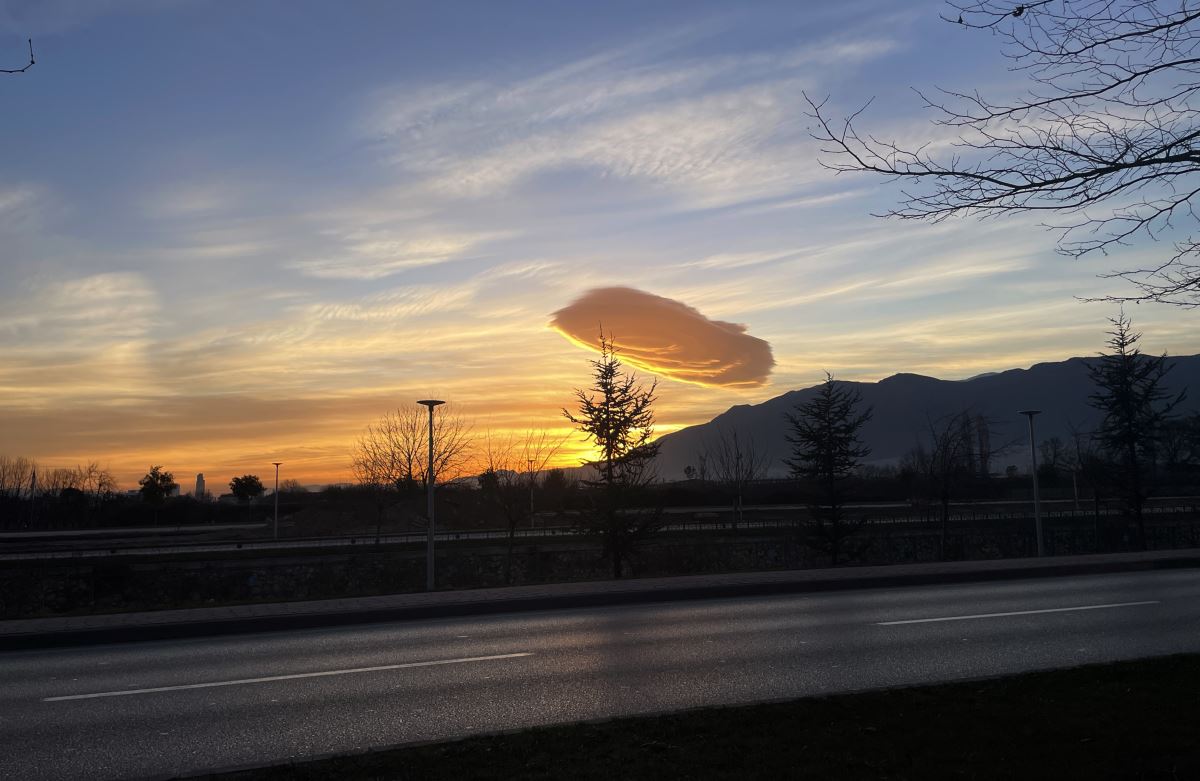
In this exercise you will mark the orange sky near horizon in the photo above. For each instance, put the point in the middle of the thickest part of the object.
(213, 265)
(223, 435)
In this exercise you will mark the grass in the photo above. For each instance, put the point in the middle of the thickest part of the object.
(1125, 720)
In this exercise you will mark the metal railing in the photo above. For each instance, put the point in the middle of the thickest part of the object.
(930, 516)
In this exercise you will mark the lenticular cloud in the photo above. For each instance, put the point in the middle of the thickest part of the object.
(667, 337)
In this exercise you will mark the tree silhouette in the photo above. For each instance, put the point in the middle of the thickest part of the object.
(1134, 406)
(954, 457)
(291, 486)
(391, 457)
(1179, 446)
(246, 487)
(735, 461)
(16, 473)
(155, 486)
(508, 482)
(826, 450)
(1107, 135)
(616, 416)
(394, 451)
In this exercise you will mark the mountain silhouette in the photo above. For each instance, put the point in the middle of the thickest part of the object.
(904, 405)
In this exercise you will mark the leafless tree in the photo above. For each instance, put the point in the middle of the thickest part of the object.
(52, 482)
(734, 461)
(27, 65)
(1055, 456)
(16, 477)
(1179, 444)
(512, 468)
(1088, 464)
(392, 455)
(16, 473)
(949, 460)
(395, 450)
(291, 486)
(96, 481)
(1106, 136)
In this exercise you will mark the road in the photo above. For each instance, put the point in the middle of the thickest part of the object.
(145, 709)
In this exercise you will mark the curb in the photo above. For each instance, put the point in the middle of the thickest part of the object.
(257, 624)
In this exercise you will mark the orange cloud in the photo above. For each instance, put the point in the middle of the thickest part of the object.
(667, 337)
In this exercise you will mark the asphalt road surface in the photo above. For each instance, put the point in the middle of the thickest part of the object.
(149, 709)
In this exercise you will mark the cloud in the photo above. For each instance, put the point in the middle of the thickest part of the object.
(667, 337)
(713, 130)
(21, 208)
(82, 311)
(377, 253)
(77, 337)
(400, 304)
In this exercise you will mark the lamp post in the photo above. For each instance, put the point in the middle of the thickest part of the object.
(737, 518)
(1037, 500)
(530, 462)
(430, 403)
(277, 463)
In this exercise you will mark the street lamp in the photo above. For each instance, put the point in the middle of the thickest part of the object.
(277, 463)
(738, 474)
(529, 461)
(1037, 499)
(430, 403)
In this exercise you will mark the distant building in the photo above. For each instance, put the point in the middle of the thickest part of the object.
(199, 486)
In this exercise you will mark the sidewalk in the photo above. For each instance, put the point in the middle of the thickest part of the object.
(237, 619)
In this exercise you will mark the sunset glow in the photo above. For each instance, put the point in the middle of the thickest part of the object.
(425, 210)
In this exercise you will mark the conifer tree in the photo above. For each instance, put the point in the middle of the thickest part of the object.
(616, 415)
(826, 450)
(1135, 405)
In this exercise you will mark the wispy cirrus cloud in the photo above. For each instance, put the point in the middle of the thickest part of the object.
(377, 253)
(14, 198)
(22, 207)
(399, 304)
(715, 130)
(93, 309)
(382, 234)
(76, 338)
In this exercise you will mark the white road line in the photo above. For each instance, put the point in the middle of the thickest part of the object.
(269, 678)
(1016, 613)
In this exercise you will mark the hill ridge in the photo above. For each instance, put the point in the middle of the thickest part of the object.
(903, 406)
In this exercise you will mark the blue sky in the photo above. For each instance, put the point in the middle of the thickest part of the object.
(232, 233)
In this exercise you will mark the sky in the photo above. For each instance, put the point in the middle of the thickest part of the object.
(238, 233)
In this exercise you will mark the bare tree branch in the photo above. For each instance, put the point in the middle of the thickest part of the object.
(393, 453)
(28, 65)
(1107, 135)
(734, 461)
(512, 467)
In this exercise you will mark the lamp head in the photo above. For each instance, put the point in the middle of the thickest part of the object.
(431, 403)
(1030, 412)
